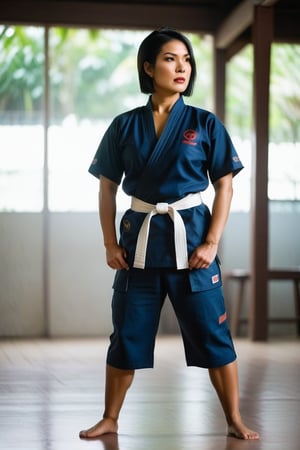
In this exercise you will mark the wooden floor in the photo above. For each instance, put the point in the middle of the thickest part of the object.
(49, 390)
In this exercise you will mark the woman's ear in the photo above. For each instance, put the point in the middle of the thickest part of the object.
(148, 68)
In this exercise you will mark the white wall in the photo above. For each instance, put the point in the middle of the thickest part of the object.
(21, 275)
(80, 282)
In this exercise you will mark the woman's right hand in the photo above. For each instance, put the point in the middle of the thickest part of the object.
(116, 257)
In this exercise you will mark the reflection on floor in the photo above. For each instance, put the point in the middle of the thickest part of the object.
(49, 390)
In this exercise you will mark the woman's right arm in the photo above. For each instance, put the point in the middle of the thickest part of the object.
(115, 255)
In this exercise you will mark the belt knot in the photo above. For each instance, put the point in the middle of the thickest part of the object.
(180, 241)
(162, 208)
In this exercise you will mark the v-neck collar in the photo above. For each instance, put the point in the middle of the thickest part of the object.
(162, 149)
(176, 109)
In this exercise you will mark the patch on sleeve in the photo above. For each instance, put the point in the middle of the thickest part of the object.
(222, 318)
(215, 278)
(94, 161)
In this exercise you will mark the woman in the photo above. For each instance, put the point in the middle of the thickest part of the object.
(167, 152)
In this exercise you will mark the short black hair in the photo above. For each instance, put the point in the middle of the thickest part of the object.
(150, 48)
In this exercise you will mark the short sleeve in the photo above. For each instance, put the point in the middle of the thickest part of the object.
(223, 157)
(108, 158)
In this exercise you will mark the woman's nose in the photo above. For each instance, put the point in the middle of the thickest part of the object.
(180, 68)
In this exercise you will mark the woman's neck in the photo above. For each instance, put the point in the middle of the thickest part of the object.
(163, 104)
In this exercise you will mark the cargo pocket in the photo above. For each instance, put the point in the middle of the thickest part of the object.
(121, 280)
(204, 279)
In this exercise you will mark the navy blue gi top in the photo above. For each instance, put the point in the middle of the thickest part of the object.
(193, 149)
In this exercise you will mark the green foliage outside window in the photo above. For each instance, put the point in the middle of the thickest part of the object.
(21, 71)
(91, 73)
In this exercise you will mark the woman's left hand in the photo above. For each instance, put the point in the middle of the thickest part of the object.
(203, 256)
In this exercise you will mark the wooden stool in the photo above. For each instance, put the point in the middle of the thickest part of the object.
(241, 276)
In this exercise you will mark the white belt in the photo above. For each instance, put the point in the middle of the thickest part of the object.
(138, 205)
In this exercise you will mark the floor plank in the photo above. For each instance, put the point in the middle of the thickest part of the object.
(50, 389)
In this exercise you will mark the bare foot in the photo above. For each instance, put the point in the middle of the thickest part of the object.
(240, 431)
(106, 425)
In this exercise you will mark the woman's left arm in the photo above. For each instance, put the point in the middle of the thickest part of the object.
(204, 255)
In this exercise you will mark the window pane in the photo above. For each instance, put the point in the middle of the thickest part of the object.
(284, 150)
(93, 77)
(239, 121)
(21, 117)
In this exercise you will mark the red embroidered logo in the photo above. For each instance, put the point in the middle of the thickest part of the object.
(189, 137)
(215, 279)
(222, 318)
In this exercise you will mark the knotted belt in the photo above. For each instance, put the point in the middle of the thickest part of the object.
(180, 241)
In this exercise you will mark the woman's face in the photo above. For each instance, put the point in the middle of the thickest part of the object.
(172, 69)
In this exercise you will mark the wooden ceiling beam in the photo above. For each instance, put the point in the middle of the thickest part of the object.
(229, 33)
(238, 45)
(238, 22)
(111, 15)
(265, 2)
(235, 24)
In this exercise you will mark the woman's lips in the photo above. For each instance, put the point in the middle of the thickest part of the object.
(179, 80)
